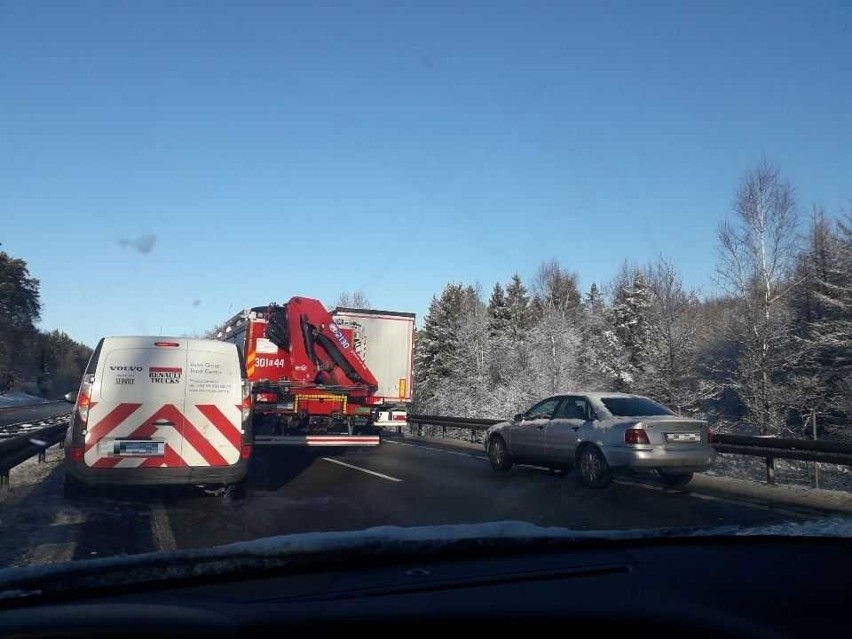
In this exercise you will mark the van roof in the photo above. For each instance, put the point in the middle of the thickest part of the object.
(151, 340)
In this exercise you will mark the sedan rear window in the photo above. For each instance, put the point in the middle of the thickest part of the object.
(634, 407)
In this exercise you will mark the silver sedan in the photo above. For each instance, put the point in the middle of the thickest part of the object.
(599, 433)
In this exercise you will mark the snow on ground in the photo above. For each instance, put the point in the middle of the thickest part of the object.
(19, 398)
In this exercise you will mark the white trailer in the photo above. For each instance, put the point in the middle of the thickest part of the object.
(385, 342)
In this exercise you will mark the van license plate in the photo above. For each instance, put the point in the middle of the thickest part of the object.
(134, 448)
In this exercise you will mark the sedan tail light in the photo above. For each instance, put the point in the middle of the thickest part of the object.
(636, 436)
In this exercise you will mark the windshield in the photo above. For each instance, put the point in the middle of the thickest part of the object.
(634, 407)
(272, 268)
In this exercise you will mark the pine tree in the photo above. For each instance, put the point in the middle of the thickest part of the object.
(603, 358)
(631, 318)
(439, 355)
(518, 303)
(499, 317)
(822, 308)
(594, 301)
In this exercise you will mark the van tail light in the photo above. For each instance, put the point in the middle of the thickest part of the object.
(636, 436)
(246, 407)
(245, 451)
(84, 400)
(76, 454)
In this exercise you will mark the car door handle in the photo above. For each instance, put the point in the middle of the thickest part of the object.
(575, 428)
(541, 426)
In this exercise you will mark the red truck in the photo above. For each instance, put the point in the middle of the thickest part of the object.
(309, 385)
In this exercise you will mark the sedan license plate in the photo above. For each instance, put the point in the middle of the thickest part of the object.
(133, 448)
(681, 438)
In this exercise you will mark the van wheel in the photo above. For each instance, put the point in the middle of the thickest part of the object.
(72, 488)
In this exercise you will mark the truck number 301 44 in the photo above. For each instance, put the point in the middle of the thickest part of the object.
(269, 361)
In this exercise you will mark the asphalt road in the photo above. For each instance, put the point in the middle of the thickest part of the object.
(17, 414)
(400, 483)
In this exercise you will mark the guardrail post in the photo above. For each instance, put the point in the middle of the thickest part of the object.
(42, 456)
(4, 480)
(816, 464)
(770, 470)
(443, 431)
(472, 435)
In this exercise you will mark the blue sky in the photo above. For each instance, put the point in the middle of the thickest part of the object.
(307, 148)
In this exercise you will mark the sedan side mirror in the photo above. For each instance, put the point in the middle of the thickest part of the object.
(70, 397)
(519, 417)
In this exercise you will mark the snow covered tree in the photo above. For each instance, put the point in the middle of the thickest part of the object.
(499, 316)
(631, 318)
(822, 309)
(554, 288)
(673, 319)
(518, 302)
(444, 349)
(757, 253)
(594, 300)
(602, 357)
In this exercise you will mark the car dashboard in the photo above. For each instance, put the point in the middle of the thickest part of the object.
(730, 587)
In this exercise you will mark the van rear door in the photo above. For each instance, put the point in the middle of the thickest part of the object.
(137, 415)
(214, 404)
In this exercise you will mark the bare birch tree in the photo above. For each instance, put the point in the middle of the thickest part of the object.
(757, 251)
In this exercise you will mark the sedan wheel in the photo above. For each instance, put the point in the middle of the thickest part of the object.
(498, 454)
(594, 470)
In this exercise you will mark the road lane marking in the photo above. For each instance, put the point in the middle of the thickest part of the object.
(437, 450)
(161, 529)
(363, 470)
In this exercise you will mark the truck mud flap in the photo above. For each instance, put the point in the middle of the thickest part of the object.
(316, 440)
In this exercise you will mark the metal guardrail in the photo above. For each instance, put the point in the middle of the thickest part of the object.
(781, 448)
(44, 403)
(770, 448)
(27, 439)
(475, 425)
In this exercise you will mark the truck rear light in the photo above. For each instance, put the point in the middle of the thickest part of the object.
(245, 451)
(636, 436)
(710, 436)
(76, 454)
(400, 417)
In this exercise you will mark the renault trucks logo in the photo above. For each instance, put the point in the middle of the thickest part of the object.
(164, 374)
(340, 336)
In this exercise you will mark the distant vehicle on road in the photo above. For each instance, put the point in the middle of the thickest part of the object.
(385, 341)
(601, 433)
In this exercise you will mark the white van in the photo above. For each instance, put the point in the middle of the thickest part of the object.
(161, 410)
